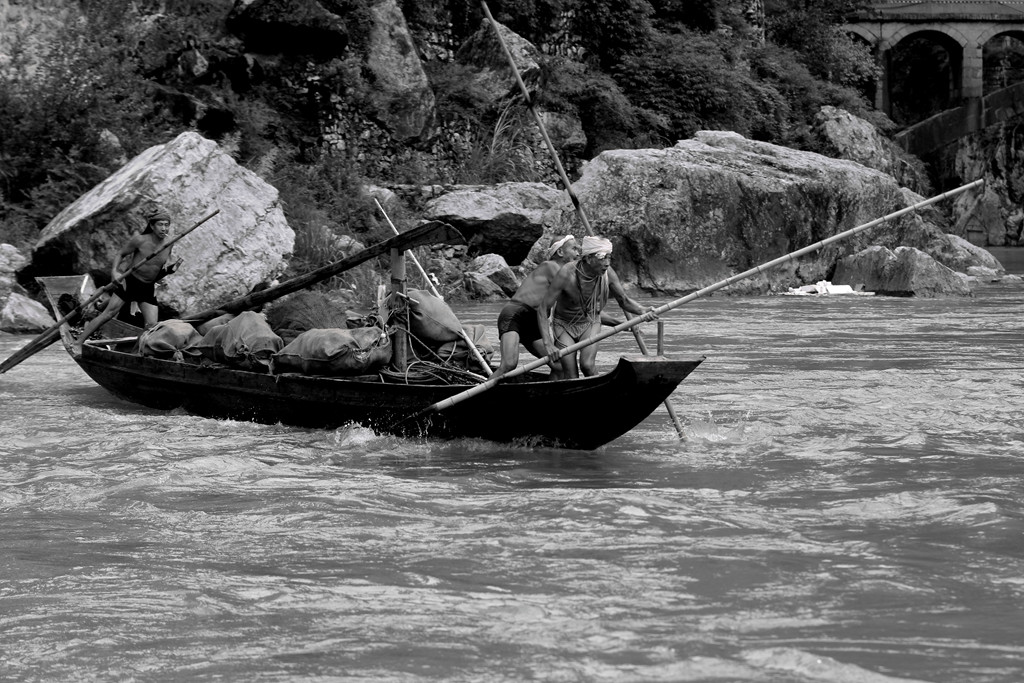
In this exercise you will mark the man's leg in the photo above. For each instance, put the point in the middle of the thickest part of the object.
(509, 344)
(588, 354)
(537, 349)
(149, 314)
(569, 368)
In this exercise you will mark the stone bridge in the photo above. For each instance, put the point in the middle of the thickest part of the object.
(962, 27)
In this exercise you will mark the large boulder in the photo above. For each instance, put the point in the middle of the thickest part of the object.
(504, 219)
(11, 260)
(927, 230)
(845, 136)
(247, 242)
(494, 268)
(716, 205)
(903, 272)
(22, 315)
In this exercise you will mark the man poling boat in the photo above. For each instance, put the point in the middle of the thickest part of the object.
(52, 334)
(660, 310)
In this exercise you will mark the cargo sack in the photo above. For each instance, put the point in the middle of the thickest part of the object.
(246, 342)
(223, 319)
(170, 340)
(303, 311)
(335, 352)
(431, 321)
(209, 346)
(458, 352)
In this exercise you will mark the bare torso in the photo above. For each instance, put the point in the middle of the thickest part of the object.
(583, 297)
(145, 245)
(532, 291)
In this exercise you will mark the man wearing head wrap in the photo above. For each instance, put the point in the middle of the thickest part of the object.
(577, 296)
(517, 322)
(140, 285)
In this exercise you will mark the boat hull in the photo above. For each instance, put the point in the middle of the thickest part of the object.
(582, 414)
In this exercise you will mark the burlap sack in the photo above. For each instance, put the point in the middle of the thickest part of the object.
(431, 321)
(170, 340)
(246, 342)
(335, 352)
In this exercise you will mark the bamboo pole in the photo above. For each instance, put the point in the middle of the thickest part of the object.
(53, 333)
(433, 290)
(540, 123)
(650, 315)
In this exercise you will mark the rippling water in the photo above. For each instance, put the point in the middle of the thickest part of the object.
(848, 505)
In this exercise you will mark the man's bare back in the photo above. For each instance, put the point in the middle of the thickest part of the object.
(532, 291)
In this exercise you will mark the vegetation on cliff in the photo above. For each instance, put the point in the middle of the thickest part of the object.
(635, 73)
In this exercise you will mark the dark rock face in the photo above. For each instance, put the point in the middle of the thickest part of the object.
(293, 27)
(504, 219)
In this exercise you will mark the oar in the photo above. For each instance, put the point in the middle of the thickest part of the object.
(650, 315)
(53, 333)
(433, 232)
(558, 166)
(433, 290)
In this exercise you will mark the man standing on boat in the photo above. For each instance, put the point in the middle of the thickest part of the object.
(578, 294)
(519, 321)
(140, 285)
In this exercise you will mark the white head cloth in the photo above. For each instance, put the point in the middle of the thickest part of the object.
(558, 244)
(596, 245)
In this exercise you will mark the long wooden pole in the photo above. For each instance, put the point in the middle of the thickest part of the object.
(52, 334)
(561, 171)
(433, 290)
(540, 123)
(650, 315)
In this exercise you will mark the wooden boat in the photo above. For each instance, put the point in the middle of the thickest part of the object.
(528, 409)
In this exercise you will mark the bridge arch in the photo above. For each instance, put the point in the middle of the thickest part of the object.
(970, 25)
(899, 34)
(926, 74)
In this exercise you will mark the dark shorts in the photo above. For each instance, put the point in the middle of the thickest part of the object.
(519, 318)
(133, 289)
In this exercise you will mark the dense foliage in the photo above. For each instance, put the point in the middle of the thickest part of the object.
(635, 73)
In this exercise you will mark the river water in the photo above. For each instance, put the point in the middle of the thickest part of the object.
(848, 505)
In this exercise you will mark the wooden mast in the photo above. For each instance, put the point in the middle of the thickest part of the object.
(399, 312)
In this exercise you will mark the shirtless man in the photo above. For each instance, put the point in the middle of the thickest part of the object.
(579, 293)
(519, 320)
(139, 286)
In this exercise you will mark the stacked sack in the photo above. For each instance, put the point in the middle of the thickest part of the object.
(173, 340)
(335, 352)
(245, 341)
(437, 333)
